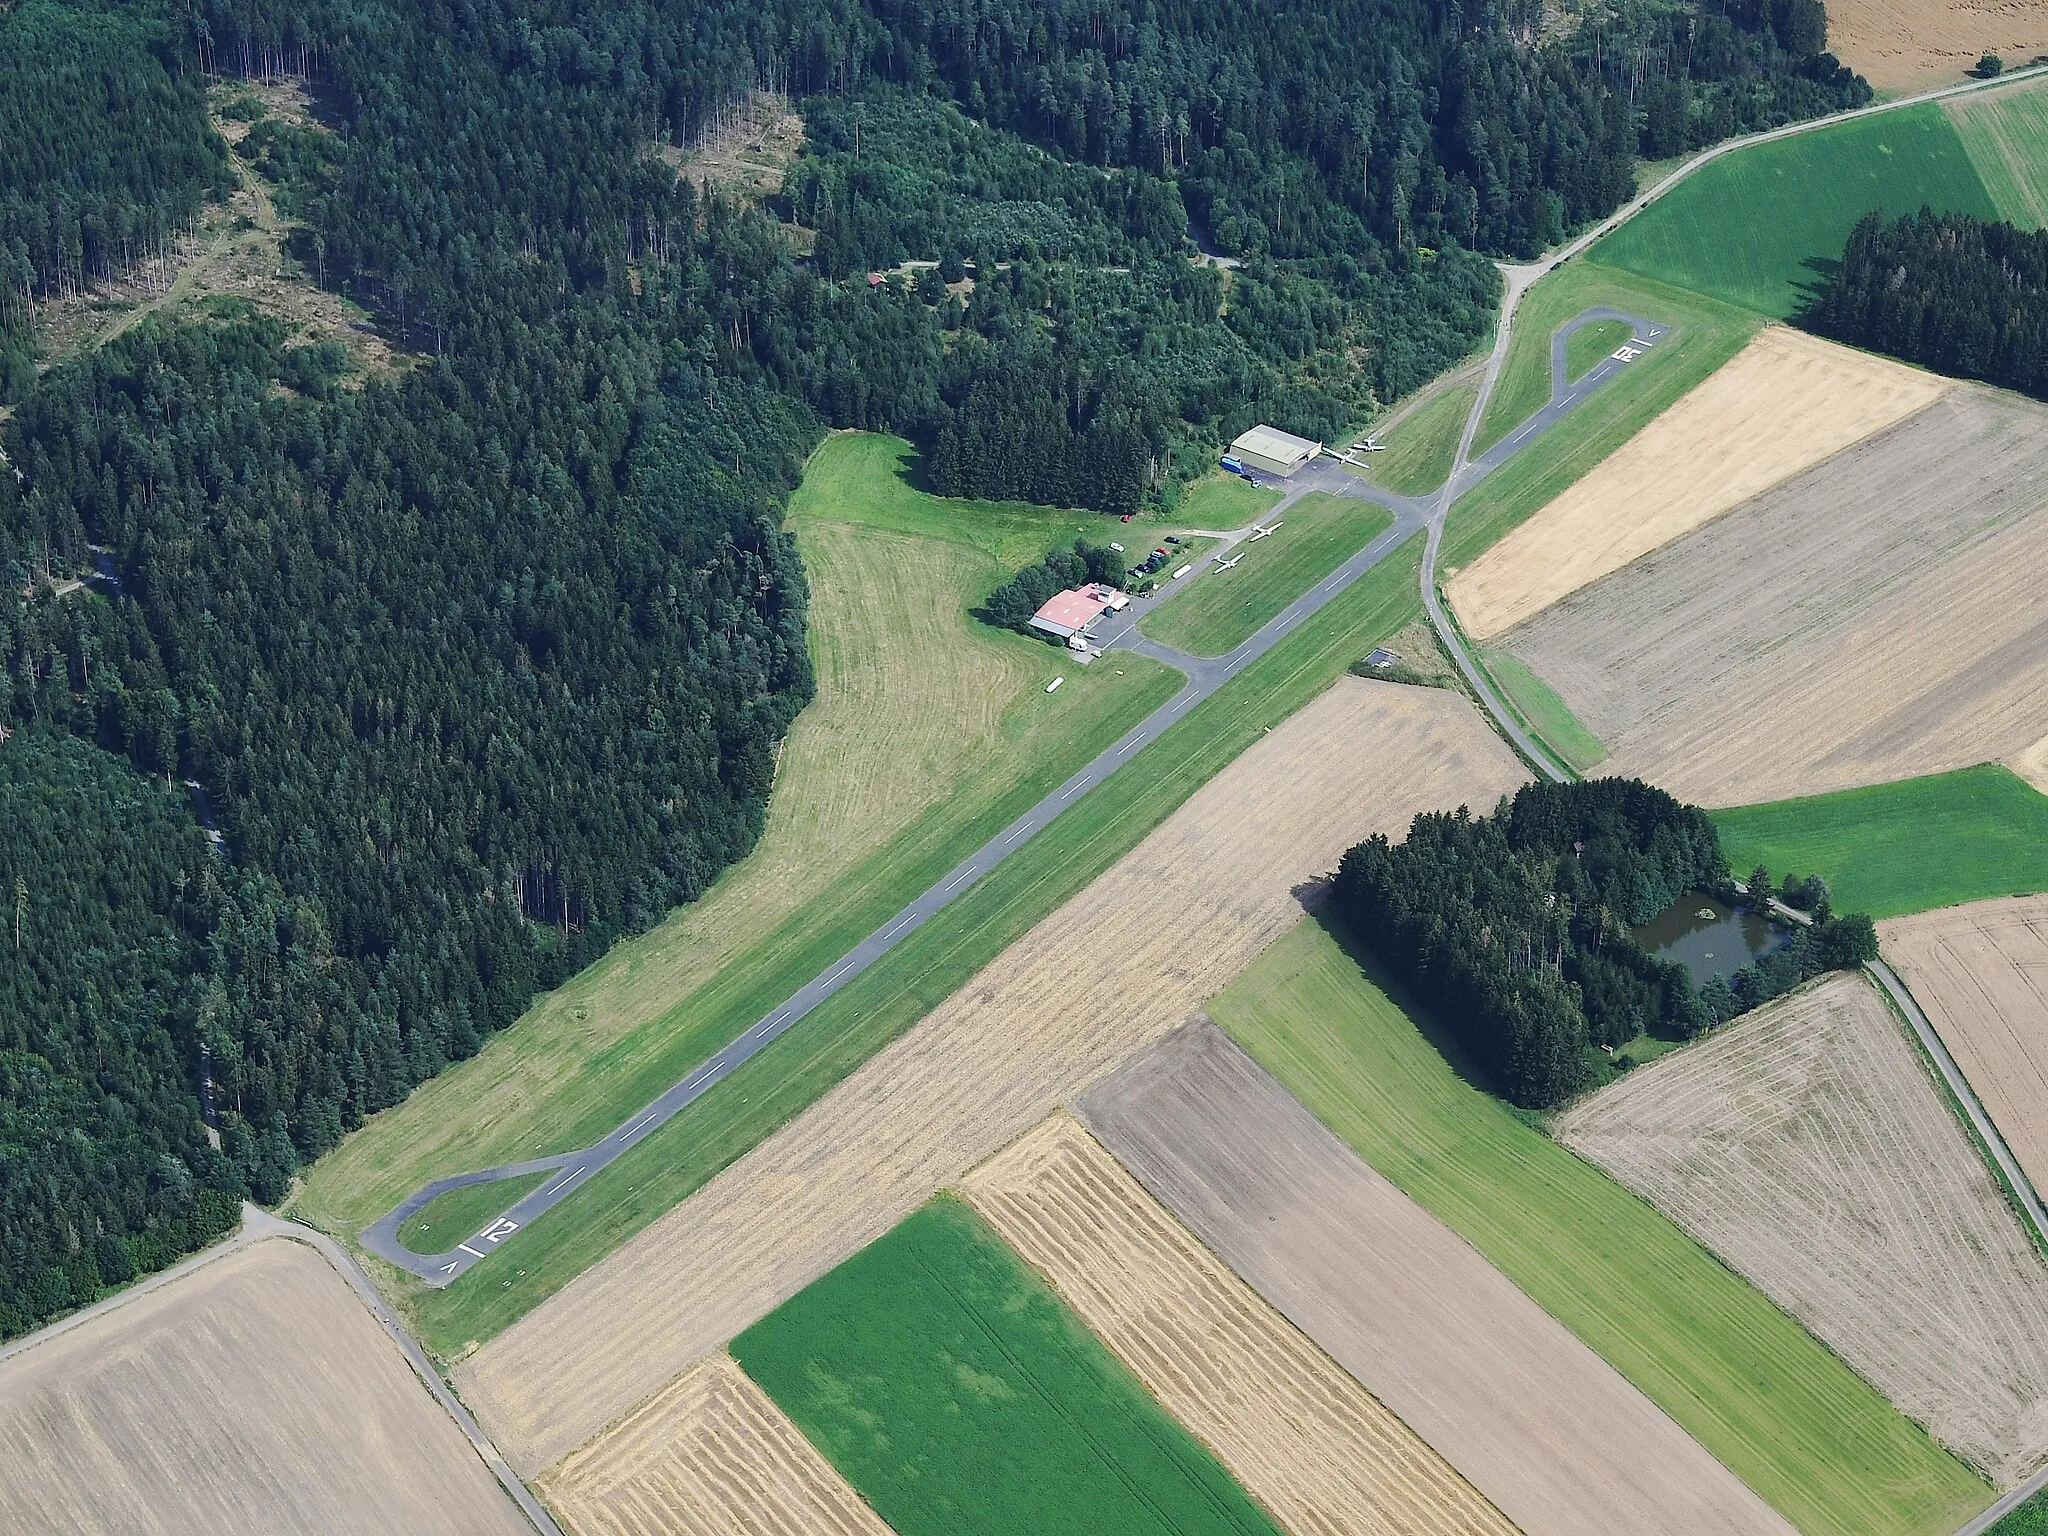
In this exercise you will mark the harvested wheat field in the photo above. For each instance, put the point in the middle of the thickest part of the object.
(1784, 403)
(1130, 956)
(711, 1456)
(252, 1393)
(1808, 1147)
(1879, 617)
(1902, 46)
(1546, 1429)
(1980, 973)
(1298, 1433)
(2032, 764)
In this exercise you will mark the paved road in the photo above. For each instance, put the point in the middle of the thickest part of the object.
(1205, 674)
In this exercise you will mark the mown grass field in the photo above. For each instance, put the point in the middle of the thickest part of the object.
(1421, 449)
(950, 1386)
(2005, 134)
(1701, 335)
(1544, 712)
(447, 1219)
(1219, 500)
(929, 732)
(1222, 609)
(895, 993)
(1591, 343)
(1757, 227)
(1746, 1381)
(1904, 847)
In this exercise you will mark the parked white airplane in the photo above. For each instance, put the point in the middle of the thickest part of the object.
(1224, 565)
(1369, 445)
(1261, 533)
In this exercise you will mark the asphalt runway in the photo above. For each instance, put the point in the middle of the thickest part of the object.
(1205, 674)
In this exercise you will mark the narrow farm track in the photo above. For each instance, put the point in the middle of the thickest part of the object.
(1297, 1431)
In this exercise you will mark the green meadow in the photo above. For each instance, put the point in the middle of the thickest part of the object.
(1904, 847)
(956, 1392)
(1752, 1386)
(2005, 134)
(1757, 227)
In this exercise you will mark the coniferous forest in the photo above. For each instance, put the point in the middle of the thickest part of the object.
(1946, 290)
(481, 664)
(1514, 928)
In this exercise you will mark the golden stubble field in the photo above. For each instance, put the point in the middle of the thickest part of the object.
(1980, 972)
(1781, 405)
(1298, 1433)
(252, 1393)
(1808, 1147)
(1122, 962)
(1902, 46)
(710, 1456)
(1879, 617)
(1555, 1437)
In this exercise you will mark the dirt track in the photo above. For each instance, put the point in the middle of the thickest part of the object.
(711, 1456)
(1808, 1146)
(1980, 973)
(1121, 963)
(1786, 402)
(253, 1394)
(1910, 45)
(1300, 1435)
(1876, 618)
(1548, 1431)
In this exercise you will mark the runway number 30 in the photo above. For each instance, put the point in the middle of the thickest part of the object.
(1628, 354)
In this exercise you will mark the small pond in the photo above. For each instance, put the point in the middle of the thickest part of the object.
(1708, 936)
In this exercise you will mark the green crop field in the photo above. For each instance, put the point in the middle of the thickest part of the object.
(2030, 1519)
(1906, 847)
(1754, 227)
(446, 1220)
(1544, 712)
(958, 1394)
(1221, 609)
(1701, 335)
(915, 976)
(2005, 134)
(1746, 1381)
(1421, 450)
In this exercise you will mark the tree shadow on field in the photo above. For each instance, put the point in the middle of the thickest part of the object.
(1324, 916)
(1823, 270)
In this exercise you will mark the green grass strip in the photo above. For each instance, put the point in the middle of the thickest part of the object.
(791, 1074)
(2005, 134)
(1745, 1380)
(1421, 450)
(955, 1391)
(1904, 847)
(1544, 712)
(1223, 609)
(1760, 227)
(445, 1221)
(1590, 344)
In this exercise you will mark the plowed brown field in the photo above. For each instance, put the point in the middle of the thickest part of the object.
(1300, 1435)
(1809, 1148)
(711, 1456)
(253, 1393)
(1879, 617)
(1903, 46)
(1781, 405)
(1545, 1428)
(1125, 960)
(1981, 974)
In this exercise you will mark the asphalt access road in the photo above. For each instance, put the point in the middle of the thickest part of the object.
(1565, 396)
(1205, 674)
